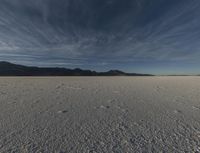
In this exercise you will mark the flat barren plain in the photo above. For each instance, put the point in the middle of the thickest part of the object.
(99, 114)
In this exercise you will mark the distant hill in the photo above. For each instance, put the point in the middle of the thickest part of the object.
(10, 69)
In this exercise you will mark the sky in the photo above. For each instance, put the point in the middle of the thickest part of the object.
(145, 36)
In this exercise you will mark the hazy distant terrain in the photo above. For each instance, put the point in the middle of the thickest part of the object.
(10, 69)
(99, 114)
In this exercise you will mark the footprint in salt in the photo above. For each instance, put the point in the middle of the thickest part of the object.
(110, 101)
(116, 92)
(62, 111)
(177, 111)
(104, 107)
(75, 88)
(2, 93)
(122, 109)
(59, 86)
(35, 103)
(196, 108)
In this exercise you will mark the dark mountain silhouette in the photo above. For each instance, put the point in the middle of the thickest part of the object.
(10, 69)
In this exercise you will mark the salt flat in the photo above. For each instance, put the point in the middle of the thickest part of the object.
(99, 114)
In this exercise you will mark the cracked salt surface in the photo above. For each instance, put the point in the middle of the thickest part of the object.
(100, 114)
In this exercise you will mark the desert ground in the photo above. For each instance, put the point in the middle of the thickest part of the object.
(99, 114)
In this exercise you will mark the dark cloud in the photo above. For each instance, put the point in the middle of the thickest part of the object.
(99, 33)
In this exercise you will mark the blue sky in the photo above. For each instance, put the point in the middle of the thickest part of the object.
(157, 36)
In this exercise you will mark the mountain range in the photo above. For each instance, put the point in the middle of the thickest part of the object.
(10, 69)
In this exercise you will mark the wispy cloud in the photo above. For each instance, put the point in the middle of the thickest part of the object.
(99, 33)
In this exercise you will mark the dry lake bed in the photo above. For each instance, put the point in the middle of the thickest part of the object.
(99, 114)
